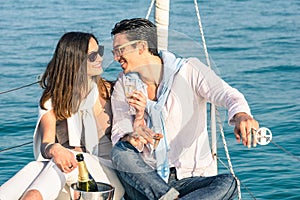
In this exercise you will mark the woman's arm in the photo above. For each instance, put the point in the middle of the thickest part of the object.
(61, 156)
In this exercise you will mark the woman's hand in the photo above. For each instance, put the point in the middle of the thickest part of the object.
(62, 157)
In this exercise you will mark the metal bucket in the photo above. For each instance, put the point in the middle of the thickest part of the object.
(105, 192)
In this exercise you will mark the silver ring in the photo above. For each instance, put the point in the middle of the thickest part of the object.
(71, 166)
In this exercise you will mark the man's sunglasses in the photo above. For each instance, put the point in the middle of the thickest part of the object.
(119, 50)
(93, 56)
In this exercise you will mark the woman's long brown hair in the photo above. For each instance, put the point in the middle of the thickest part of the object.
(65, 78)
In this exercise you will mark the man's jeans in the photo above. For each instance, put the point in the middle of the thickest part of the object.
(142, 182)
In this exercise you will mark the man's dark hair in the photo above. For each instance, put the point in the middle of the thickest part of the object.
(138, 29)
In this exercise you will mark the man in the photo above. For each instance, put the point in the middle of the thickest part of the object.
(171, 96)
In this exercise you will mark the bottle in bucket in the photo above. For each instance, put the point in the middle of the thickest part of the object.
(85, 180)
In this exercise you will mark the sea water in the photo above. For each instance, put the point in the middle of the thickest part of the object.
(253, 45)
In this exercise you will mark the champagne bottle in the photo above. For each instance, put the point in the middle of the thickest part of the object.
(85, 180)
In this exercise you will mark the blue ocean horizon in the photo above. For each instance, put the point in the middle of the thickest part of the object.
(254, 46)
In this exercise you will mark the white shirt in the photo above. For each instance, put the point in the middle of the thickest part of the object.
(185, 114)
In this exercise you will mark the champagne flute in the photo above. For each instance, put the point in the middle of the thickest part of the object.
(130, 86)
(156, 136)
(148, 152)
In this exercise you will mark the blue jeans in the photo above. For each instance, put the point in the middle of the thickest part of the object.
(142, 182)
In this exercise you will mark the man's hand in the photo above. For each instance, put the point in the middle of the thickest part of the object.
(138, 100)
(245, 128)
(142, 135)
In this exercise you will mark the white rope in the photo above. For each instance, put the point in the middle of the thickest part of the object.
(149, 9)
(228, 156)
(202, 34)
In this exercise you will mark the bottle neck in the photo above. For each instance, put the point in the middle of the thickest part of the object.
(83, 174)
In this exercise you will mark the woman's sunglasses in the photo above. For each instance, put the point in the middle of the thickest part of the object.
(93, 56)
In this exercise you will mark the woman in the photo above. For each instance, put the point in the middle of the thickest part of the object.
(74, 116)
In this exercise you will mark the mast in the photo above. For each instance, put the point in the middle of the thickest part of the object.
(162, 8)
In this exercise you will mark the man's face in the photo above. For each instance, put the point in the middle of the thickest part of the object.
(126, 52)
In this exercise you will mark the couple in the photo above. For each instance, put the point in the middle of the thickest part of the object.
(170, 99)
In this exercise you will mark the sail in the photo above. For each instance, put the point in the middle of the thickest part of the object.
(162, 8)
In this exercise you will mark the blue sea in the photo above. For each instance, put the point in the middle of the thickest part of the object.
(254, 46)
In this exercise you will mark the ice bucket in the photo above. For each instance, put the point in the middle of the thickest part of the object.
(105, 192)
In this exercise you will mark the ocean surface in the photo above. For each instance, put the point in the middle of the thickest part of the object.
(254, 46)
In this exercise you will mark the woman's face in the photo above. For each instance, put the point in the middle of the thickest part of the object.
(94, 60)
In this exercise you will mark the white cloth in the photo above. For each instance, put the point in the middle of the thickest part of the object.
(185, 115)
(40, 175)
(85, 116)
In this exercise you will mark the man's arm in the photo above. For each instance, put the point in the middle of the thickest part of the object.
(215, 90)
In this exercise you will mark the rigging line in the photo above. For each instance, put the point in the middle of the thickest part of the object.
(149, 10)
(227, 154)
(9, 148)
(202, 33)
(246, 188)
(3, 92)
(286, 151)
